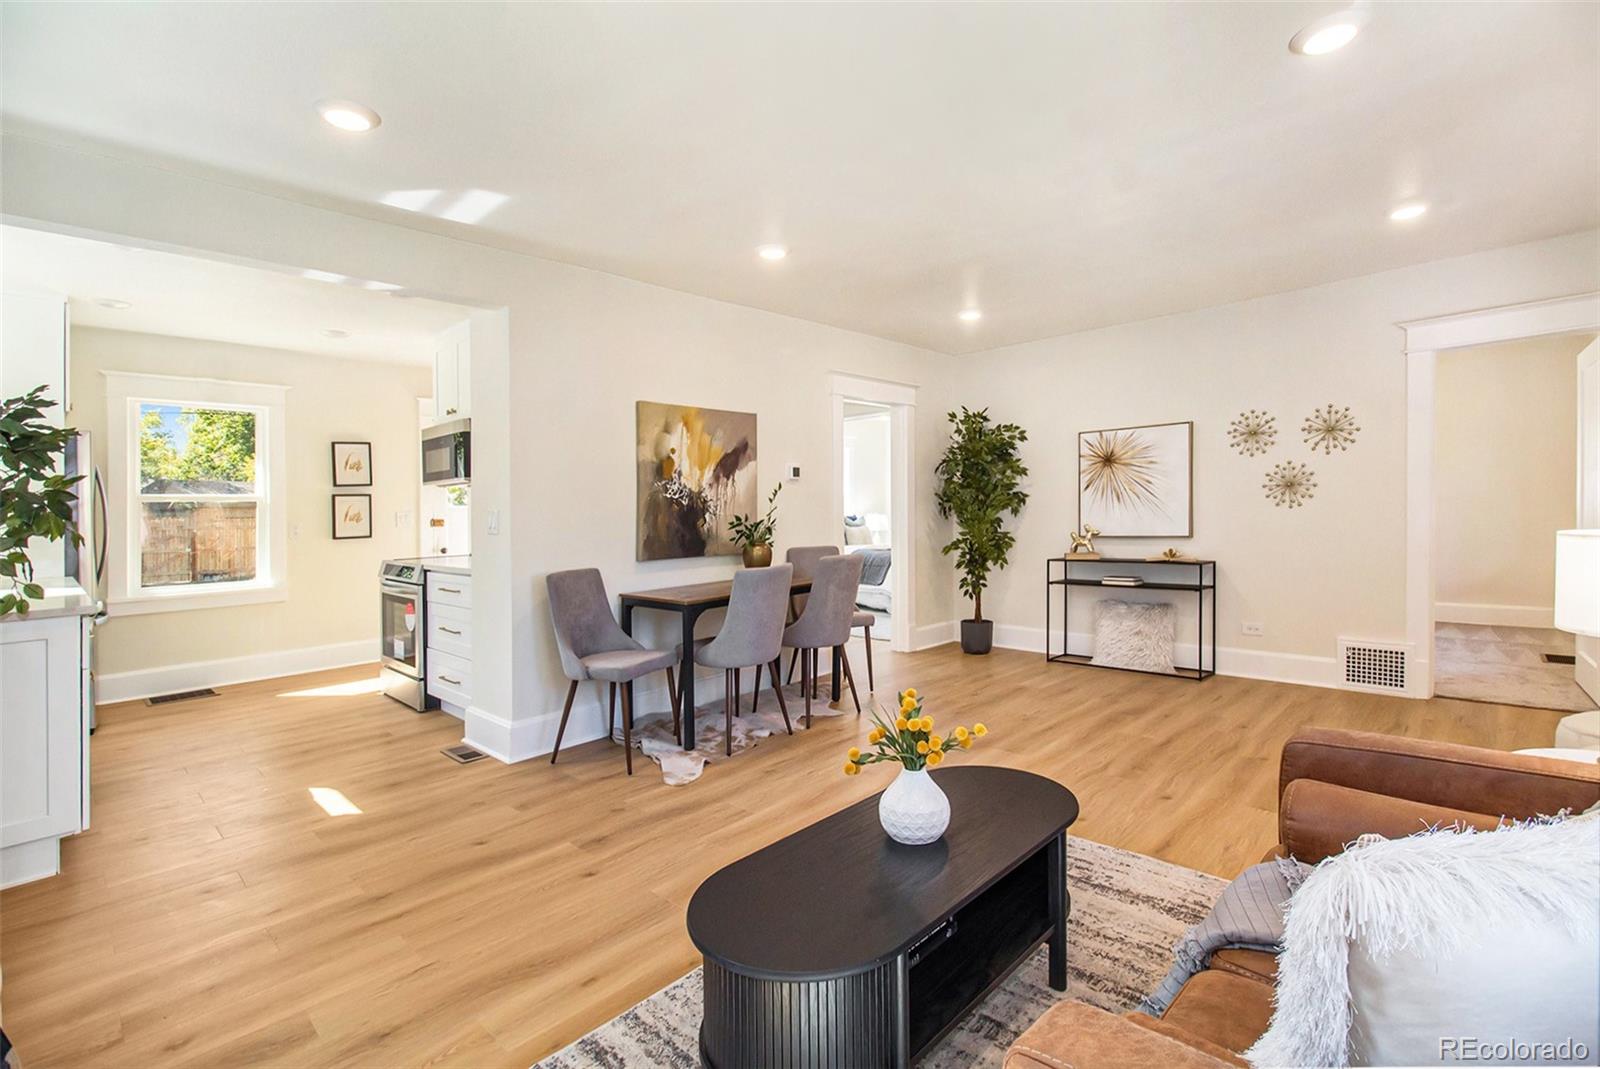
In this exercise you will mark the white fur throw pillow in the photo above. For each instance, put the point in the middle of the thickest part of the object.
(1445, 948)
(1134, 634)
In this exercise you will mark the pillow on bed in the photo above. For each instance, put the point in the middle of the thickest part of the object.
(857, 536)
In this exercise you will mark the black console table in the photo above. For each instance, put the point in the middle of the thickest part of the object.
(838, 948)
(1198, 577)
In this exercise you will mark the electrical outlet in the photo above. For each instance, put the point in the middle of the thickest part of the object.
(1255, 630)
(294, 532)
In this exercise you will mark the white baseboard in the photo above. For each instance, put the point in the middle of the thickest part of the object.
(1231, 661)
(169, 679)
(1454, 612)
(931, 635)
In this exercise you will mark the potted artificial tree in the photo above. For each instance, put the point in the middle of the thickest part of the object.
(754, 536)
(980, 478)
(35, 501)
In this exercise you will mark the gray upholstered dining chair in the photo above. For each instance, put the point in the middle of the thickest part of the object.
(825, 621)
(594, 646)
(804, 559)
(751, 636)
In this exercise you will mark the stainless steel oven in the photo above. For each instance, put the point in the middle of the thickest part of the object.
(403, 627)
(447, 453)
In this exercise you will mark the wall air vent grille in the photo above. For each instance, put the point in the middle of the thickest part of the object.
(1375, 666)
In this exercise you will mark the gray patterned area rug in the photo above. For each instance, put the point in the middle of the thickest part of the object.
(1127, 911)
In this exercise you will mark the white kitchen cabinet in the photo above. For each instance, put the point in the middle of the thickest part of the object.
(449, 656)
(33, 349)
(452, 373)
(45, 702)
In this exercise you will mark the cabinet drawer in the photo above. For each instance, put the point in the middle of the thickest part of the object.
(447, 589)
(450, 629)
(449, 677)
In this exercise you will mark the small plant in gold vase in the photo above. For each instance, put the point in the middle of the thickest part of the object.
(913, 810)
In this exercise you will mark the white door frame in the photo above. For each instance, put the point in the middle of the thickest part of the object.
(1426, 340)
(901, 400)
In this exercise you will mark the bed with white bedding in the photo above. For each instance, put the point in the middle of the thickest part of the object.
(874, 591)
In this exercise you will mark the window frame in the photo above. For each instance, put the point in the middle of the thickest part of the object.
(126, 392)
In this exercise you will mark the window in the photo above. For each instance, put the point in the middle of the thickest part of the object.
(198, 515)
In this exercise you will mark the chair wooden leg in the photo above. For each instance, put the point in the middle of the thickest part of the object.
(730, 698)
(872, 687)
(850, 677)
(807, 666)
(627, 724)
(738, 688)
(777, 689)
(815, 661)
(755, 692)
(611, 714)
(566, 711)
(795, 657)
(677, 705)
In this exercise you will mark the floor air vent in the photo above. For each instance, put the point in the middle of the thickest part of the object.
(1560, 658)
(463, 755)
(181, 696)
(1375, 666)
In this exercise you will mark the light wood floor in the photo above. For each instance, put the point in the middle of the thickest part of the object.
(485, 914)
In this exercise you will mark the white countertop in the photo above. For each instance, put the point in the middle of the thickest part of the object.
(63, 597)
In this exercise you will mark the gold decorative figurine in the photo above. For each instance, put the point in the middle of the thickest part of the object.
(1083, 544)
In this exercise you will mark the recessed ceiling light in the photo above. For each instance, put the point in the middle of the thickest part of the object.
(348, 116)
(1330, 33)
(772, 252)
(113, 304)
(1408, 211)
(333, 332)
(969, 315)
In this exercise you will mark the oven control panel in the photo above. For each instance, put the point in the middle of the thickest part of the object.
(409, 573)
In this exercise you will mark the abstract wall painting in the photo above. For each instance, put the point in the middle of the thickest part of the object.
(696, 469)
(1138, 482)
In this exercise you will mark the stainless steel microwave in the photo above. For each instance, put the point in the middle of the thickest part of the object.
(447, 453)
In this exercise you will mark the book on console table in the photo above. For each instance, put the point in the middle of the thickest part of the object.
(1121, 580)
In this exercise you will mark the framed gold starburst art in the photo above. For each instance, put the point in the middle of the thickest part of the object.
(1137, 482)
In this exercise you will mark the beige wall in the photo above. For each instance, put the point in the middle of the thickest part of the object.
(1335, 567)
(332, 585)
(1505, 477)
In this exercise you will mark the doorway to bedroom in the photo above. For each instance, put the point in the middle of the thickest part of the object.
(868, 497)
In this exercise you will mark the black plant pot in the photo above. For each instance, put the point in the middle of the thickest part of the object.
(977, 636)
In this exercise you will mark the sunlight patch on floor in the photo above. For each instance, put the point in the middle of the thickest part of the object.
(334, 803)
(338, 690)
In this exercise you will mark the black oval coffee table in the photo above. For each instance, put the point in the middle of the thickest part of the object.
(838, 947)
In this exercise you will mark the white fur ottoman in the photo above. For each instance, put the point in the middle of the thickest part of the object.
(1580, 731)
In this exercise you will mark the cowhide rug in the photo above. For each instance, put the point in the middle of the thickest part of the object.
(652, 732)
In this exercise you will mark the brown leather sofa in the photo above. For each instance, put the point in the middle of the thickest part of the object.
(1333, 786)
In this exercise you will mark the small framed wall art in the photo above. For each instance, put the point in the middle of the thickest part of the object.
(352, 516)
(1137, 482)
(352, 463)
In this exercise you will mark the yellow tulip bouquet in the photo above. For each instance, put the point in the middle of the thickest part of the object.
(910, 740)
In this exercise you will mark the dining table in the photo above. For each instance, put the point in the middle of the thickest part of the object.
(690, 601)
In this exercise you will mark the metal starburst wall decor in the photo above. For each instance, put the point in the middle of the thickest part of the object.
(1290, 484)
(1329, 428)
(1253, 432)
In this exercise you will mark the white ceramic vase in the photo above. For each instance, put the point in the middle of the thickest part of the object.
(914, 810)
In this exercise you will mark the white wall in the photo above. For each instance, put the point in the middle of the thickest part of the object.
(1335, 567)
(560, 355)
(866, 466)
(331, 613)
(1505, 471)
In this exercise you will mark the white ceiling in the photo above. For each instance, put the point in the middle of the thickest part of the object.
(192, 298)
(1062, 166)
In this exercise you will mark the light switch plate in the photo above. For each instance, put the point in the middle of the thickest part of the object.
(494, 521)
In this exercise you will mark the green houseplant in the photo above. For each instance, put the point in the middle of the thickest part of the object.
(754, 535)
(980, 481)
(35, 502)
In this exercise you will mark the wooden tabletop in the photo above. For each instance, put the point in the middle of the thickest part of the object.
(714, 593)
